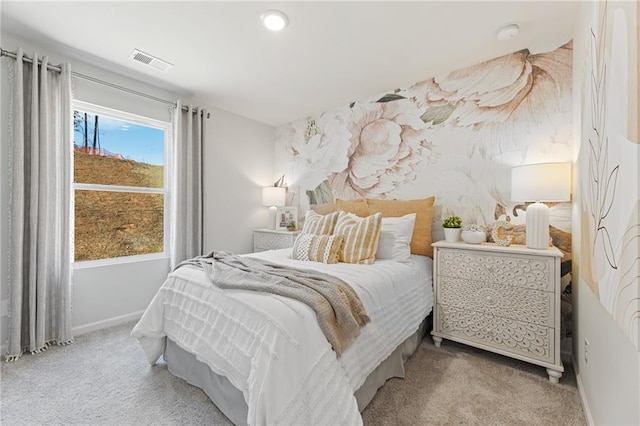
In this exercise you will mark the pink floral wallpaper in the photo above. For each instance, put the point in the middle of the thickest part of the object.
(455, 136)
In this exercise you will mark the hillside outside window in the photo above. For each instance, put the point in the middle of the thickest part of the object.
(120, 175)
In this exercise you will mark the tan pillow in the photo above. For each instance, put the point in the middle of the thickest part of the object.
(318, 248)
(361, 235)
(423, 208)
(318, 224)
(324, 208)
(357, 207)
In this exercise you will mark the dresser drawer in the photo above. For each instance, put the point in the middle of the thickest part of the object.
(273, 240)
(528, 306)
(510, 335)
(510, 270)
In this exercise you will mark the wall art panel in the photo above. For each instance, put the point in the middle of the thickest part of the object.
(609, 192)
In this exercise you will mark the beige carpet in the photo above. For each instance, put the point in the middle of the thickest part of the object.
(459, 385)
(104, 379)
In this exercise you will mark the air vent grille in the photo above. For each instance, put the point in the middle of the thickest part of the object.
(141, 57)
(149, 60)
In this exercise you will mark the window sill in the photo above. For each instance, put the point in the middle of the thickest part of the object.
(119, 260)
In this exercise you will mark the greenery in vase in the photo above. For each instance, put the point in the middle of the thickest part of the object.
(452, 222)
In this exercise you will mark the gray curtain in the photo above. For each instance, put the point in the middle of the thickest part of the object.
(40, 247)
(186, 190)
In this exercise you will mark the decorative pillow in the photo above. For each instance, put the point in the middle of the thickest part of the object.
(423, 208)
(360, 237)
(318, 248)
(357, 207)
(395, 238)
(318, 224)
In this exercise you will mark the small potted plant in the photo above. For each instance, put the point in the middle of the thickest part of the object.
(452, 225)
(291, 226)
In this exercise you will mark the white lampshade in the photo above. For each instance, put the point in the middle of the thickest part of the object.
(540, 182)
(273, 196)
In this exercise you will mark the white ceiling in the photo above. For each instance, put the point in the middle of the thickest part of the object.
(330, 54)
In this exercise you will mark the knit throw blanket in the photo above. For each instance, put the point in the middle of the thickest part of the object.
(339, 309)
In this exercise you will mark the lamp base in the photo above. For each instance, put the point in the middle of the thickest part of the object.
(272, 217)
(538, 226)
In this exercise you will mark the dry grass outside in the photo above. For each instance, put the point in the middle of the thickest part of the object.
(113, 171)
(114, 224)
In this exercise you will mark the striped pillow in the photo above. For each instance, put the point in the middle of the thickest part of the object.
(318, 224)
(361, 235)
(318, 248)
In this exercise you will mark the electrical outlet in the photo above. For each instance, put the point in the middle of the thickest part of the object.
(586, 351)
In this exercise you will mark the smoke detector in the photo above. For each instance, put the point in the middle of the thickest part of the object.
(150, 60)
(508, 32)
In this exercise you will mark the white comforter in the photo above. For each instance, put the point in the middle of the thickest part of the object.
(271, 348)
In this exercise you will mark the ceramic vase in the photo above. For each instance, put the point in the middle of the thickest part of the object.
(452, 235)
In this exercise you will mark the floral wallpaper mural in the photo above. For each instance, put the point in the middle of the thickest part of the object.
(608, 167)
(456, 137)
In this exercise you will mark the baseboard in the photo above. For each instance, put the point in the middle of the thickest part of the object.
(111, 322)
(94, 326)
(583, 396)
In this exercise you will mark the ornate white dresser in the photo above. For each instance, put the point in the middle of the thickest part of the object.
(501, 299)
(271, 239)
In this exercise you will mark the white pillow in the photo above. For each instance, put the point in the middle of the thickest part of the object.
(395, 238)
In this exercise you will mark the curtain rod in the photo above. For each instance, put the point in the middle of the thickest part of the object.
(29, 60)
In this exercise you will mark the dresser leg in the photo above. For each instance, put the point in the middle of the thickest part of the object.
(554, 376)
(437, 341)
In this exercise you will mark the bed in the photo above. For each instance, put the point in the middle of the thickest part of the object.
(263, 359)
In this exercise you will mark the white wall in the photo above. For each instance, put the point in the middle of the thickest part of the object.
(4, 204)
(238, 161)
(609, 383)
(610, 380)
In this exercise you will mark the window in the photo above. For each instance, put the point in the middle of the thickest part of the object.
(120, 190)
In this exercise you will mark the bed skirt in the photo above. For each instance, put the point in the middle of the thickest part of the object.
(230, 401)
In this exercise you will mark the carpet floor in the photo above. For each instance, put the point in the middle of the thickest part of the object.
(104, 379)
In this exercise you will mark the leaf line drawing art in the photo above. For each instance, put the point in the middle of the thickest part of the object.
(603, 180)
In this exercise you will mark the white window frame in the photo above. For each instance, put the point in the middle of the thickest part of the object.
(167, 127)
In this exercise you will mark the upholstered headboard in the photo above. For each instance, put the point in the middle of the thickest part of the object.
(423, 208)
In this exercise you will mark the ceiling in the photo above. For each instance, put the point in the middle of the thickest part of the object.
(330, 54)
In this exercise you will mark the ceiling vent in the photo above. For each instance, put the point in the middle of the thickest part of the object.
(150, 61)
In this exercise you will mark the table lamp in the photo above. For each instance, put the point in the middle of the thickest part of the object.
(273, 197)
(540, 182)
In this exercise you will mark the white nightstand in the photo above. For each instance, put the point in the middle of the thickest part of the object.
(270, 239)
(501, 299)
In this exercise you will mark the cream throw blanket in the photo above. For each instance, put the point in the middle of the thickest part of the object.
(338, 308)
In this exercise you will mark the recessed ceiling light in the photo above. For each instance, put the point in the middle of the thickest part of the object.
(508, 32)
(274, 20)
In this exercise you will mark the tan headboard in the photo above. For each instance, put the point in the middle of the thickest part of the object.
(423, 208)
